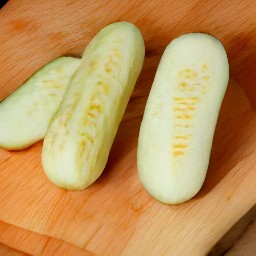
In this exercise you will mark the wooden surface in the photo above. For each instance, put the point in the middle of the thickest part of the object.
(246, 245)
(7, 251)
(18, 241)
(240, 239)
(115, 216)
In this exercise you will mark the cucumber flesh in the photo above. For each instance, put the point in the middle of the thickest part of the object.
(77, 145)
(178, 125)
(26, 113)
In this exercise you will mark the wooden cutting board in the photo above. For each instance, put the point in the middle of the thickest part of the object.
(115, 216)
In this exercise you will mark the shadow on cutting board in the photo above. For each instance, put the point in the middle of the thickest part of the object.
(234, 241)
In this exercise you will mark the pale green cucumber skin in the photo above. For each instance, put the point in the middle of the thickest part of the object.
(175, 175)
(77, 145)
(26, 113)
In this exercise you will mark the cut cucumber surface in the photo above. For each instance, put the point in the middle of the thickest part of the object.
(26, 113)
(77, 145)
(178, 125)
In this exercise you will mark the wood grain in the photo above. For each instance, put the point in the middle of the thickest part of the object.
(241, 234)
(246, 245)
(21, 242)
(115, 216)
(8, 251)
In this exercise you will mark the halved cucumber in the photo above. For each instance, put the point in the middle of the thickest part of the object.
(77, 145)
(26, 113)
(180, 116)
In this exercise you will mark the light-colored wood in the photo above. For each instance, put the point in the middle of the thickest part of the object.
(115, 216)
(29, 243)
(238, 232)
(7, 251)
(246, 245)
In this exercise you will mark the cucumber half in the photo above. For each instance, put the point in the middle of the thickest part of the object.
(178, 125)
(78, 142)
(26, 113)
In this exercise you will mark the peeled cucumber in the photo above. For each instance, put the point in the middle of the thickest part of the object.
(178, 125)
(78, 142)
(26, 113)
